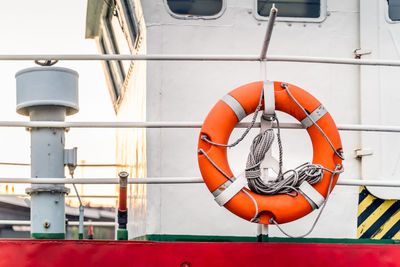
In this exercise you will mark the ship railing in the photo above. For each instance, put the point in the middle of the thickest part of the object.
(179, 124)
(70, 223)
(172, 125)
(263, 58)
(170, 180)
(177, 57)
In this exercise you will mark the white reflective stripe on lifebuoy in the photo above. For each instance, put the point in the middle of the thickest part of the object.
(231, 190)
(223, 186)
(317, 114)
(235, 106)
(312, 195)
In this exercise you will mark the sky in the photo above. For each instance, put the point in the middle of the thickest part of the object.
(54, 27)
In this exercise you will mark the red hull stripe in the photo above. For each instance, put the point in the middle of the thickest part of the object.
(136, 253)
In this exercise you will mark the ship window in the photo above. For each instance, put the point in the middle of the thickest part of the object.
(195, 7)
(109, 45)
(291, 8)
(394, 10)
(120, 42)
(109, 72)
(119, 34)
(127, 22)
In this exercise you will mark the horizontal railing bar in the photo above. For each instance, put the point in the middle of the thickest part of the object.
(78, 165)
(71, 223)
(67, 196)
(159, 124)
(331, 60)
(161, 180)
(126, 124)
(103, 124)
(356, 182)
(14, 164)
(170, 180)
(75, 223)
(280, 58)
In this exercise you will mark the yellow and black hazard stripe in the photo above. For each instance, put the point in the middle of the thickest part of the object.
(377, 218)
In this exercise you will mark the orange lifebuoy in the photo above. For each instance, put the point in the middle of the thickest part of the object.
(218, 126)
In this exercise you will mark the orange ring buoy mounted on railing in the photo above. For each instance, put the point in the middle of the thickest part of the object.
(213, 162)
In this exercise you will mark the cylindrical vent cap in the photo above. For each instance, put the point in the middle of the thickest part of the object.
(47, 86)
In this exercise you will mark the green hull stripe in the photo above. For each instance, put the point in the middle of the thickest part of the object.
(263, 238)
(122, 234)
(48, 235)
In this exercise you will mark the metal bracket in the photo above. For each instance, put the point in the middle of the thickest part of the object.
(266, 123)
(362, 152)
(71, 157)
(269, 101)
(269, 162)
(361, 52)
(47, 188)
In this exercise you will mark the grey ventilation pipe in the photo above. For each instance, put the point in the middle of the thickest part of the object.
(47, 94)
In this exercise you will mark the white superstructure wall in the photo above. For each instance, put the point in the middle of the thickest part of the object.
(186, 91)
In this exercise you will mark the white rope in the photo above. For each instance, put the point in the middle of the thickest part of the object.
(286, 182)
(253, 121)
(338, 153)
(338, 169)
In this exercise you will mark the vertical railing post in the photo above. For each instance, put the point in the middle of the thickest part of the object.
(262, 230)
(271, 20)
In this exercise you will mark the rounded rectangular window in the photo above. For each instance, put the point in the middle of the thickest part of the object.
(195, 7)
(291, 8)
(394, 10)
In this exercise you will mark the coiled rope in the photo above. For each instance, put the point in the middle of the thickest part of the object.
(286, 182)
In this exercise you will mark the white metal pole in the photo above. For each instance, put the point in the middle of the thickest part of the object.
(271, 20)
(256, 58)
(262, 229)
(172, 180)
(183, 125)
